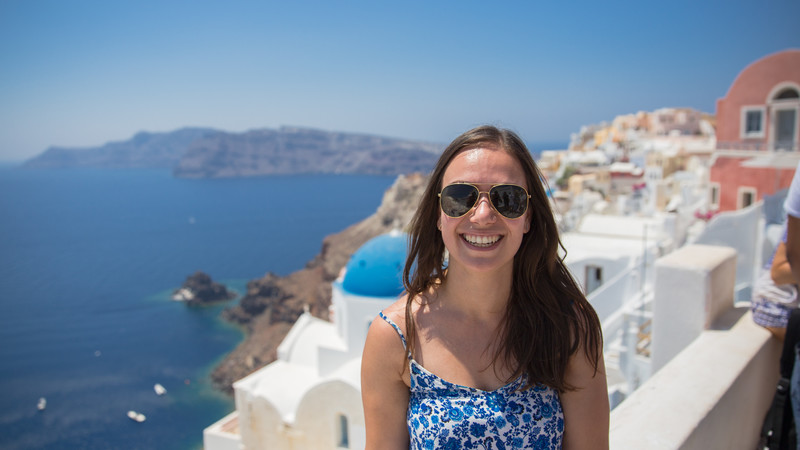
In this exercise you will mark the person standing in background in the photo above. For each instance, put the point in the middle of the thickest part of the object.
(792, 208)
(774, 293)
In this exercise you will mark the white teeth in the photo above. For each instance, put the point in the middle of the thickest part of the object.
(481, 241)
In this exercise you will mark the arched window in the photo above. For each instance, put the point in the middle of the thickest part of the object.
(787, 94)
(785, 108)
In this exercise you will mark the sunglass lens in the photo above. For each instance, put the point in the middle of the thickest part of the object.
(509, 200)
(458, 199)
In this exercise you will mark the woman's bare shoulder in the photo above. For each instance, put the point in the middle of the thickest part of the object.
(385, 351)
(396, 312)
(384, 385)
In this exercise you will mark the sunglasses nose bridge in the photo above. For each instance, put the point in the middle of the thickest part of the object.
(483, 203)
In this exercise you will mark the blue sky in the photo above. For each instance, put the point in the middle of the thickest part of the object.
(80, 73)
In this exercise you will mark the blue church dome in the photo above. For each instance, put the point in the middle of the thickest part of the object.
(376, 269)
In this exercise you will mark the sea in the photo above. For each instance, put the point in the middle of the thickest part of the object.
(89, 259)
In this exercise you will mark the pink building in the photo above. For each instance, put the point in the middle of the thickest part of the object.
(758, 122)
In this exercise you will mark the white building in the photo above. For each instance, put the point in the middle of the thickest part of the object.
(310, 397)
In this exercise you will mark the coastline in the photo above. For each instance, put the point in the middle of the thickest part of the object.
(271, 304)
(91, 258)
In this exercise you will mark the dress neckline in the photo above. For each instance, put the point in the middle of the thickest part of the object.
(511, 385)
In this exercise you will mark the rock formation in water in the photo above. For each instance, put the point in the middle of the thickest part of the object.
(200, 289)
(272, 304)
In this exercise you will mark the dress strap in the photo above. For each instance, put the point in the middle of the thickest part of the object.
(397, 329)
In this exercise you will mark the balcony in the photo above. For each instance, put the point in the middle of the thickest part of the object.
(758, 146)
(715, 391)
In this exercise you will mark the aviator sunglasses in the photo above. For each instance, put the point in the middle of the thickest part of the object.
(510, 200)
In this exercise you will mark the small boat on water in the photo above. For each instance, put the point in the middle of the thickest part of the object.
(42, 404)
(136, 417)
(160, 390)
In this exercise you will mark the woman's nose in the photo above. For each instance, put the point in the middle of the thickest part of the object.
(483, 213)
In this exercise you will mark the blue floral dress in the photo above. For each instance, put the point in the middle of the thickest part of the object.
(444, 415)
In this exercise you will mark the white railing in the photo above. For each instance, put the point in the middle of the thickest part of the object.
(623, 289)
(715, 391)
(787, 146)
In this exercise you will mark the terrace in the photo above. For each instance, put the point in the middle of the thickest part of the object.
(714, 369)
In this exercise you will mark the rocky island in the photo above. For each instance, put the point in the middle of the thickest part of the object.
(209, 153)
(199, 289)
(272, 303)
(143, 151)
(290, 151)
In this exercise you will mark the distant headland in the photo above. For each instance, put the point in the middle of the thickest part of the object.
(210, 153)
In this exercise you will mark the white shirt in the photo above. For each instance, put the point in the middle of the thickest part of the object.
(792, 203)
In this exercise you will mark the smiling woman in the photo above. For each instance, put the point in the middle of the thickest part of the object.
(483, 236)
(499, 347)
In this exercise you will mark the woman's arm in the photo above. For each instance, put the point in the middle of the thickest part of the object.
(793, 244)
(780, 270)
(383, 389)
(586, 409)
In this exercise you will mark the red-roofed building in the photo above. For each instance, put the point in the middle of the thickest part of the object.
(758, 124)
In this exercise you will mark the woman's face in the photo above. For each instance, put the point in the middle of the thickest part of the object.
(482, 239)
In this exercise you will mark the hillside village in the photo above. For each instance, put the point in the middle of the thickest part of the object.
(610, 168)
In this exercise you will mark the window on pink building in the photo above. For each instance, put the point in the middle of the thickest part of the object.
(746, 197)
(752, 124)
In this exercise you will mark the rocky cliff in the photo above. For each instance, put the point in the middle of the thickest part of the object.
(144, 150)
(208, 153)
(272, 303)
(302, 151)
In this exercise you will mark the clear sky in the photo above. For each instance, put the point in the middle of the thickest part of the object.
(81, 73)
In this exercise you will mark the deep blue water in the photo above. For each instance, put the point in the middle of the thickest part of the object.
(88, 261)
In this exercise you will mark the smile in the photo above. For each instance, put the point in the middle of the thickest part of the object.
(481, 241)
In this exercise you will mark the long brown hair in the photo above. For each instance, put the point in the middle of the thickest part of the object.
(547, 318)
